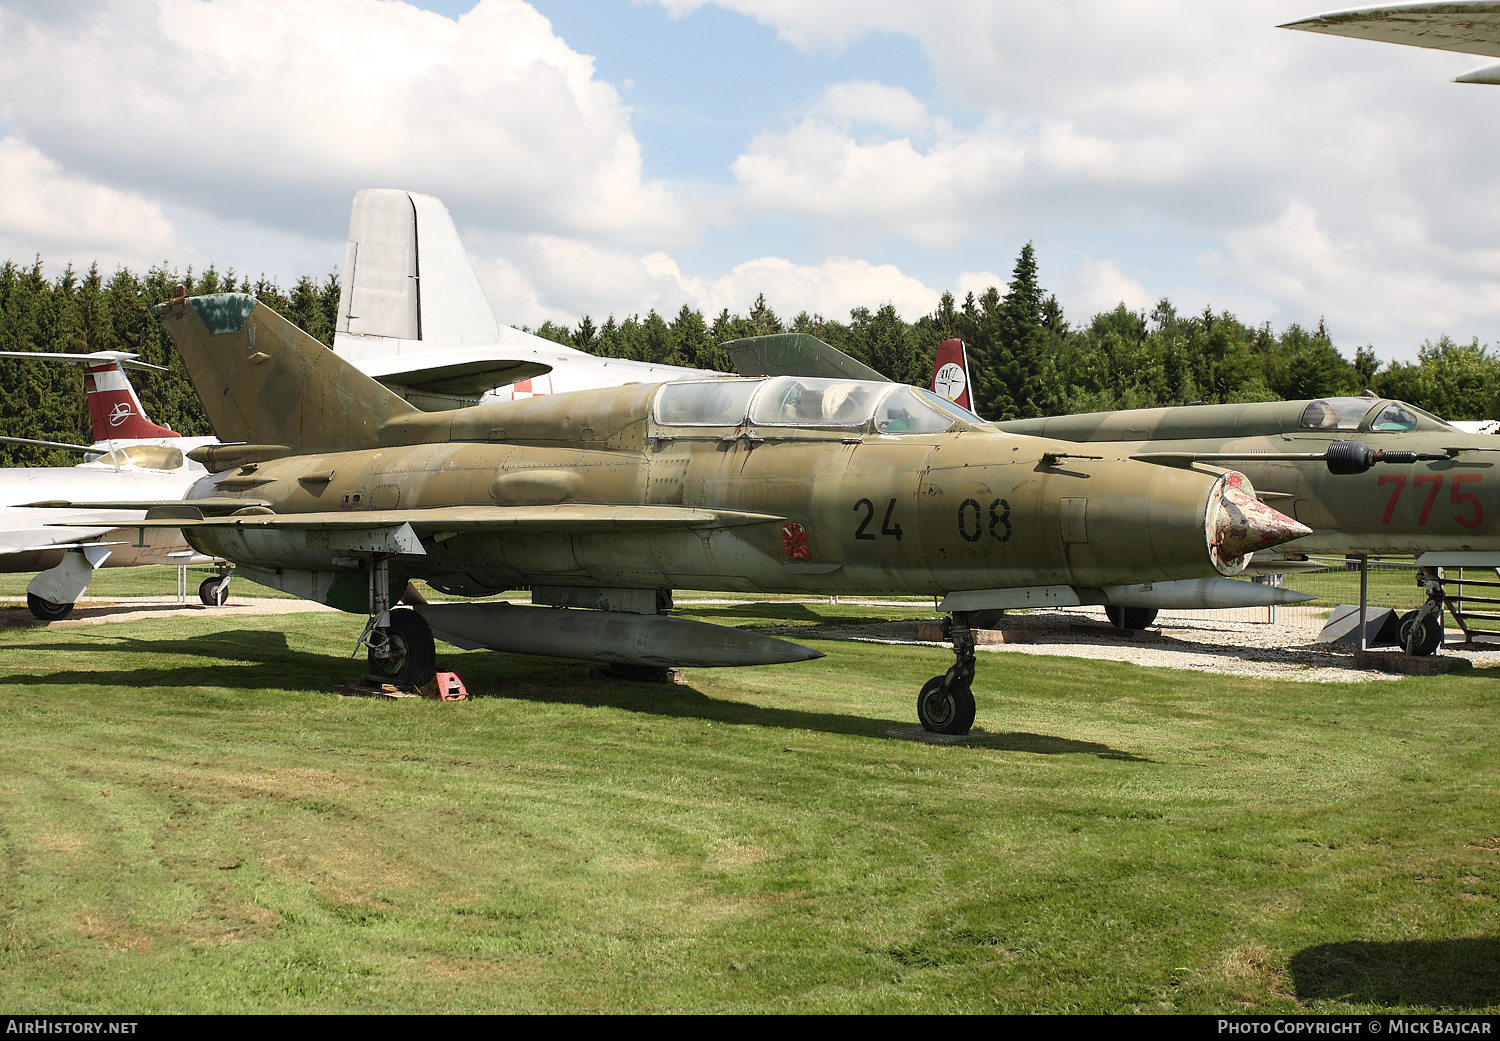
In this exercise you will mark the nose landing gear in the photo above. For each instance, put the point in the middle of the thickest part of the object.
(946, 703)
(1421, 631)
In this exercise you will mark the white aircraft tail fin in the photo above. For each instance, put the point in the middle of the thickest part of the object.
(408, 283)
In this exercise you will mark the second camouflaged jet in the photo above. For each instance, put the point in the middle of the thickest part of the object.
(608, 500)
(1370, 476)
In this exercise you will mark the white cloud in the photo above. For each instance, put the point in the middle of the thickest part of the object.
(1100, 285)
(864, 101)
(70, 218)
(978, 282)
(281, 111)
(1309, 271)
(830, 288)
(820, 171)
(1188, 126)
(1326, 176)
(827, 23)
(545, 277)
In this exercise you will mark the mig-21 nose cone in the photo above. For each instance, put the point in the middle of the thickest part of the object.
(1245, 524)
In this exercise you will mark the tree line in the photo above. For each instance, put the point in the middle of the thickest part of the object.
(1026, 358)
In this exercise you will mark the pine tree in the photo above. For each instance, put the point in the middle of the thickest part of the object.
(1022, 341)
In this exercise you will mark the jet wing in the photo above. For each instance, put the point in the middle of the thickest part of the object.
(796, 354)
(1465, 28)
(31, 540)
(125, 358)
(47, 444)
(204, 506)
(569, 517)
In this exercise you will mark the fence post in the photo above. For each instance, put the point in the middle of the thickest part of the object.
(1364, 597)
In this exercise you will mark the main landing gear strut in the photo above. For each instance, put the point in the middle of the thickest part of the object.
(399, 644)
(946, 704)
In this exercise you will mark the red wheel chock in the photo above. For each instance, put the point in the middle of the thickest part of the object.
(446, 686)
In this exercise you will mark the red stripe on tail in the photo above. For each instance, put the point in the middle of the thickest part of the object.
(950, 373)
(114, 408)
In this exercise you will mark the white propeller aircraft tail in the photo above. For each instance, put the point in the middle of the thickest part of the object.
(413, 316)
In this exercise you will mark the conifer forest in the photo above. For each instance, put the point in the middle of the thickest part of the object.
(1026, 357)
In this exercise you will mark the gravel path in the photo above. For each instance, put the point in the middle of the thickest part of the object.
(1237, 643)
(1237, 646)
(92, 611)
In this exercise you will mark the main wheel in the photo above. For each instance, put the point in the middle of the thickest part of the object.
(1130, 617)
(46, 610)
(952, 713)
(214, 592)
(1428, 639)
(414, 655)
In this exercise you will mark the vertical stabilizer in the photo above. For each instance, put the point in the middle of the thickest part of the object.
(379, 294)
(950, 374)
(264, 381)
(408, 284)
(114, 408)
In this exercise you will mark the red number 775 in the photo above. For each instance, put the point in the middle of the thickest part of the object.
(1456, 493)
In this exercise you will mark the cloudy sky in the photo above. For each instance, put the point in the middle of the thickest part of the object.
(617, 155)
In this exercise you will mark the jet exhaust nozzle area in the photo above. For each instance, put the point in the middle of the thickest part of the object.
(1240, 524)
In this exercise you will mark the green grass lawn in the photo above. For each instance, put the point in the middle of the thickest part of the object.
(192, 820)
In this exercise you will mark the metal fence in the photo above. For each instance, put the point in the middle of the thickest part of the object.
(157, 582)
(1392, 584)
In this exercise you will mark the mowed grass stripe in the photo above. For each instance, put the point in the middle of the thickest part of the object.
(1120, 838)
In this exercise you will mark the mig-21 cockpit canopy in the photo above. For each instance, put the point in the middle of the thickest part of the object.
(1364, 413)
(808, 403)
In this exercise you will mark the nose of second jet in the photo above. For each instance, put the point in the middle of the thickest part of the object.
(1245, 524)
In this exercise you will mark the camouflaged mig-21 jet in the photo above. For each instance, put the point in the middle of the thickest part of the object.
(605, 501)
(1370, 476)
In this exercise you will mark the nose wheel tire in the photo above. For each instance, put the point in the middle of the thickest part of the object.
(945, 713)
(411, 656)
(46, 610)
(1426, 639)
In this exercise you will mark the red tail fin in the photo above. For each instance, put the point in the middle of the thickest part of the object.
(950, 374)
(114, 407)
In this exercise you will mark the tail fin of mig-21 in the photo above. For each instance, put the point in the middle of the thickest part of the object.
(263, 380)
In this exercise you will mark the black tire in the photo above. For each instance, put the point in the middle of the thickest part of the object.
(953, 714)
(985, 619)
(416, 655)
(46, 610)
(1428, 640)
(214, 592)
(1136, 618)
